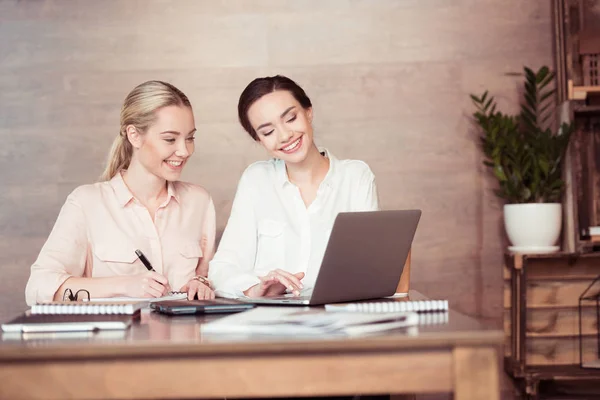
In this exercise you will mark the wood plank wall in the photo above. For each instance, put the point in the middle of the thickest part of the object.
(389, 80)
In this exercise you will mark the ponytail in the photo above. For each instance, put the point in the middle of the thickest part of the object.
(119, 157)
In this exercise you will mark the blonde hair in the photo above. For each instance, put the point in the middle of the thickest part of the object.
(139, 110)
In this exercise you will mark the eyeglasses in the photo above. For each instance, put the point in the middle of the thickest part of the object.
(80, 295)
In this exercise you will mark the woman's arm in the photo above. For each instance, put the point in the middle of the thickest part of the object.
(62, 256)
(365, 197)
(147, 284)
(208, 240)
(62, 260)
(197, 286)
(231, 269)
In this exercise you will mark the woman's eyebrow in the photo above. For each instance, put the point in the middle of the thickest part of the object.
(178, 133)
(283, 114)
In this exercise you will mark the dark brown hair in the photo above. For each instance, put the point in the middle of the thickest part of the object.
(263, 86)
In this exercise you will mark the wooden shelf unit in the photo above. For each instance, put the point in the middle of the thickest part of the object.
(541, 294)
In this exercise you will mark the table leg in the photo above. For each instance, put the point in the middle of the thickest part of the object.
(476, 375)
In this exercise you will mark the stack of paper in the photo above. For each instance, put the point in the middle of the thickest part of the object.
(294, 321)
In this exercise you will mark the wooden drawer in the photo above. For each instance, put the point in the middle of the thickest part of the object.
(559, 351)
(555, 322)
(544, 294)
(551, 294)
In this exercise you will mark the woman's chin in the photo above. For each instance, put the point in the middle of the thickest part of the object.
(170, 176)
(294, 158)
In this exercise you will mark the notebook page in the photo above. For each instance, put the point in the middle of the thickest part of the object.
(87, 308)
(170, 296)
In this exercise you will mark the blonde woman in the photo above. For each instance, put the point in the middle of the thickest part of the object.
(140, 204)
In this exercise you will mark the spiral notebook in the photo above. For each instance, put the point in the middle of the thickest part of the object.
(40, 323)
(87, 308)
(391, 306)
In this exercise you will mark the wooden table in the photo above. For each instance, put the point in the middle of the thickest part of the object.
(167, 357)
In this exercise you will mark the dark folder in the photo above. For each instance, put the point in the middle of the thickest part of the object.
(182, 307)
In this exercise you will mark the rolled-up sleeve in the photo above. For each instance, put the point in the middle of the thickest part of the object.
(231, 270)
(62, 256)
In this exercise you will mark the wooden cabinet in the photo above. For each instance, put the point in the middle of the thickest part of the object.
(541, 295)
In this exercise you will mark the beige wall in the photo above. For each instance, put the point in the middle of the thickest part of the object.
(389, 81)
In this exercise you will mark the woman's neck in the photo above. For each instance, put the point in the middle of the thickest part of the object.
(310, 171)
(146, 187)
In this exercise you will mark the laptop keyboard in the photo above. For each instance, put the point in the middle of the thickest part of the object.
(290, 296)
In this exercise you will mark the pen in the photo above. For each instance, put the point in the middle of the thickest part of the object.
(144, 260)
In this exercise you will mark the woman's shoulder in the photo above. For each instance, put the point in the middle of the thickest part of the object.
(354, 168)
(261, 169)
(89, 192)
(189, 189)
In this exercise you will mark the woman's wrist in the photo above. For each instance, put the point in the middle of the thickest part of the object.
(202, 280)
(252, 291)
(119, 285)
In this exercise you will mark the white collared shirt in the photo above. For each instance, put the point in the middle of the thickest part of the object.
(270, 227)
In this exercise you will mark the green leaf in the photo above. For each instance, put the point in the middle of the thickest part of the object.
(529, 74)
(522, 152)
(544, 166)
(484, 96)
(547, 95)
(499, 172)
(487, 105)
(541, 75)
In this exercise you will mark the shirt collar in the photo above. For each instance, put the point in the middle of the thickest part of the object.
(282, 176)
(124, 195)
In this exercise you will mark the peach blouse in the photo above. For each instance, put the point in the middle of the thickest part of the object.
(101, 225)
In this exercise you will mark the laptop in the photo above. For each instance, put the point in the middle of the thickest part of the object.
(364, 259)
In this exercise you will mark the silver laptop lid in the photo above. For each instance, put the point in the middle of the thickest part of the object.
(365, 255)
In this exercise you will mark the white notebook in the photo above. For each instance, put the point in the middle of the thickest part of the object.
(147, 300)
(391, 306)
(87, 308)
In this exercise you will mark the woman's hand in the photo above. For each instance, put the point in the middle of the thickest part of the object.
(276, 283)
(148, 284)
(194, 287)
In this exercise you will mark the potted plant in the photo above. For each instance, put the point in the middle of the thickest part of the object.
(526, 156)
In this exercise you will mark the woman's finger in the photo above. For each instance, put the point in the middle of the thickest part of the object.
(192, 291)
(206, 293)
(288, 284)
(158, 287)
(158, 277)
(266, 285)
(291, 277)
(150, 290)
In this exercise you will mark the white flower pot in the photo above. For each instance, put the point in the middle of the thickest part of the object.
(533, 227)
